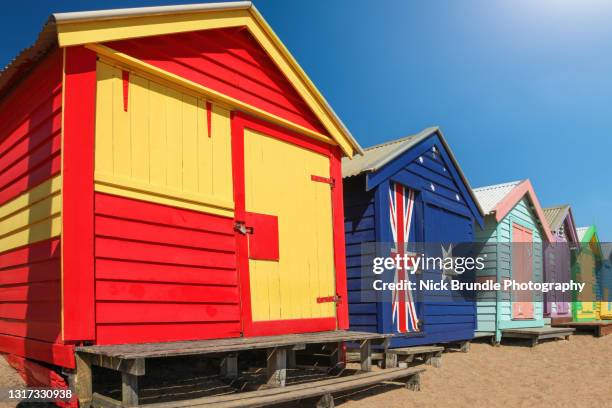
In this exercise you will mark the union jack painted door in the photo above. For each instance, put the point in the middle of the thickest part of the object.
(402, 221)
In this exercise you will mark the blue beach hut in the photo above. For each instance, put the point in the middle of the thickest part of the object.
(404, 192)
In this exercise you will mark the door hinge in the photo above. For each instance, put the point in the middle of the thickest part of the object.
(240, 226)
(327, 180)
(329, 299)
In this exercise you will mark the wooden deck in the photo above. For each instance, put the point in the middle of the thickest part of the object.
(599, 327)
(535, 334)
(130, 359)
(322, 388)
(200, 347)
(401, 357)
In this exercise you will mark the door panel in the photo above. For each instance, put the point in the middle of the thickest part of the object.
(278, 182)
(522, 271)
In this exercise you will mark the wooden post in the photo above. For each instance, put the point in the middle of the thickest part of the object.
(129, 389)
(414, 382)
(326, 401)
(365, 355)
(390, 360)
(229, 366)
(83, 380)
(465, 346)
(277, 367)
(291, 362)
(337, 358)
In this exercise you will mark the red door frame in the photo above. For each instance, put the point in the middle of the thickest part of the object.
(524, 231)
(240, 121)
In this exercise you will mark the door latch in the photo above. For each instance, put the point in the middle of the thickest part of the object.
(329, 299)
(240, 226)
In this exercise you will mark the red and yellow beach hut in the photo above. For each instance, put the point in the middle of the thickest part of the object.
(166, 173)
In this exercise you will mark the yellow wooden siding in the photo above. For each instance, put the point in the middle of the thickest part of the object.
(160, 150)
(587, 306)
(33, 216)
(278, 182)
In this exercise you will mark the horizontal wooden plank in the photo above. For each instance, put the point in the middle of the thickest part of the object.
(58, 354)
(111, 312)
(45, 331)
(153, 272)
(296, 392)
(165, 292)
(138, 251)
(160, 214)
(165, 349)
(40, 291)
(108, 334)
(163, 234)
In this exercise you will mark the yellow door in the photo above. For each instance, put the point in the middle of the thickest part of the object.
(278, 183)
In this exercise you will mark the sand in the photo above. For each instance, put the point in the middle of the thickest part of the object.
(574, 373)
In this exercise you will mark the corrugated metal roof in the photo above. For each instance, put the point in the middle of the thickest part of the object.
(375, 157)
(556, 215)
(490, 196)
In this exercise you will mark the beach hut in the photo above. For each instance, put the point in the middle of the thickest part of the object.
(515, 228)
(558, 261)
(398, 195)
(586, 304)
(166, 173)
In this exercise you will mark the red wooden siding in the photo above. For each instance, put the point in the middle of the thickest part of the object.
(30, 130)
(30, 307)
(163, 273)
(229, 61)
(30, 148)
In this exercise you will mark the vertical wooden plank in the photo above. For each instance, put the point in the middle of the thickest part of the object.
(78, 319)
(229, 366)
(104, 122)
(174, 138)
(221, 171)
(205, 155)
(122, 139)
(365, 355)
(83, 380)
(129, 390)
(190, 144)
(139, 128)
(276, 367)
(157, 134)
(339, 239)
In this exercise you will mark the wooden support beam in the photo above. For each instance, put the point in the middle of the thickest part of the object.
(134, 366)
(291, 362)
(276, 367)
(414, 382)
(326, 401)
(83, 380)
(229, 366)
(465, 346)
(390, 360)
(365, 355)
(129, 390)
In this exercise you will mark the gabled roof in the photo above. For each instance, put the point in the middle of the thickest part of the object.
(585, 234)
(498, 200)
(557, 215)
(376, 157)
(94, 27)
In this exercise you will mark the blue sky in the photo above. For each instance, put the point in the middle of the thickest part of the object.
(521, 89)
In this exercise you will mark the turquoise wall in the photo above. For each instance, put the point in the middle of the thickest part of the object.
(494, 309)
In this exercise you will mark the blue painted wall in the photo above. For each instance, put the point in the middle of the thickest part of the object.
(444, 213)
